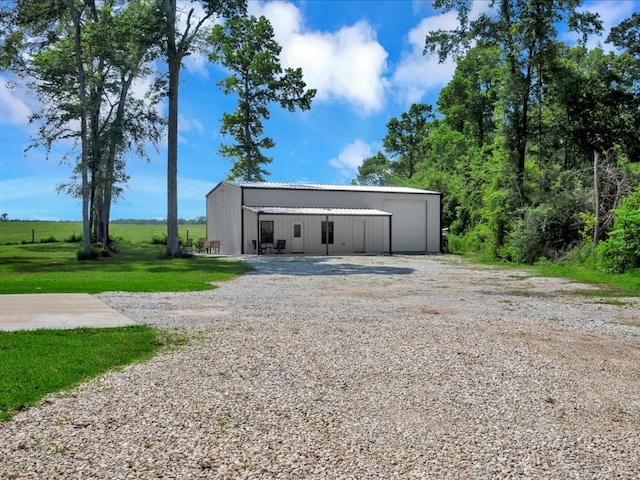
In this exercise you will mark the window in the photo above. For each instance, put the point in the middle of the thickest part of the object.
(327, 232)
(297, 230)
(266, 232)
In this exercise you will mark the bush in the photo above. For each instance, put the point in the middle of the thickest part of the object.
(159, 239)
(94, 253)
(474, 241)
(621, 252)
(74, 238)
(97, 250)
(49, 239)
(548, 230)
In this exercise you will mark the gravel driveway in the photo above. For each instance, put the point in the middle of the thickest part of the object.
(396, 367)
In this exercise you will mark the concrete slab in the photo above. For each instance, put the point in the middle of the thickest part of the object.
(57, 311)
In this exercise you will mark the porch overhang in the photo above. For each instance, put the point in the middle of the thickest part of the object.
(353, 212)
(322, 212)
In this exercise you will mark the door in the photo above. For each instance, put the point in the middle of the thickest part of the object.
(358, 236)
(297, 238)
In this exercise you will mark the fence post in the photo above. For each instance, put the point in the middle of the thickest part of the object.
(33, 235)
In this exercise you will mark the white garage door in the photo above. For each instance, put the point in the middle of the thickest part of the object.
(409, 225)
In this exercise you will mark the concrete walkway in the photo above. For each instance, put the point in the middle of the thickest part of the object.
(54, 311)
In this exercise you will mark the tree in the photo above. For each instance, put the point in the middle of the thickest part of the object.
(405, 139)
(177, 45)
(84, 57)
(525, 32)
(602, 111)
(375, 170)
(246, 47)
(468, 101)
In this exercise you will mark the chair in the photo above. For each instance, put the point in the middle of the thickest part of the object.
(215, 246)
(200, 245)
(279, 246)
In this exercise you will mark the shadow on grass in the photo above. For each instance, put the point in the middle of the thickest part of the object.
(141, 268)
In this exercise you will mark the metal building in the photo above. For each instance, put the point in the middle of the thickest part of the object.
(319, 219)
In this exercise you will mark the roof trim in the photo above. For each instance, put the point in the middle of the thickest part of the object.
(344, 212)
(335, 188)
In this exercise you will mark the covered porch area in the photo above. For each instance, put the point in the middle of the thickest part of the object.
(316, 230)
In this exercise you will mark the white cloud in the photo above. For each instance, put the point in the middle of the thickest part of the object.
(13, 110)
(611, 14)
(416, 73)
(350, 158)
(195, 63)
(347, 65)
(189, 124)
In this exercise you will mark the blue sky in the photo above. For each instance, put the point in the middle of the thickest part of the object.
(364, 57)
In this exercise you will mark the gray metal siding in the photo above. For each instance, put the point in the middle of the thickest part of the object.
(415, 222)
(223, 217)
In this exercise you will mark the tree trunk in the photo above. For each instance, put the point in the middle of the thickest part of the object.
(174, 61)
(173, 249)
(596, 194)
(84, 162)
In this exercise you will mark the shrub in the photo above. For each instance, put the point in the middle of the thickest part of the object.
(74, 238)
(621, 252)
(159, 239)
(94, 253)
(49, 239)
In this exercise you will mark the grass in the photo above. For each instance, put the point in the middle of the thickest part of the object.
(611, 284)
(35, 363)
(53, 268)
(36, 232)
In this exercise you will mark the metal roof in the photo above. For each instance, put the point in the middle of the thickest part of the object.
(359, 212)
(319, 186)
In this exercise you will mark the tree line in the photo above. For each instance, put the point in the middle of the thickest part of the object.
(534, 143)
(85, 59)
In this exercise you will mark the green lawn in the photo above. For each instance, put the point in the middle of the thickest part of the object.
(38, 362)
(622, 285)
(613, 284)
(53, 268)
(28, 232)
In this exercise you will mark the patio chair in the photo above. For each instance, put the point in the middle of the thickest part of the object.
(215, 246)
(279, 246)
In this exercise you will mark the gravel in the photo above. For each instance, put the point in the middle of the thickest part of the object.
(356, 368)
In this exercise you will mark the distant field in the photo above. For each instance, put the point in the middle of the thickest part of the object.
(27, 232)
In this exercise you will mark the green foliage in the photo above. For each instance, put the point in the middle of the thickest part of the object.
(621, 252)
(374, 170)
(246, 46)
(407, 139)
(49, 239)
(159, 239)
(73, 238)
(37, 363)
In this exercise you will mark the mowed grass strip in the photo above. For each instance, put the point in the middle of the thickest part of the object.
(54, 268)
(35, 363)
(32, 231)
